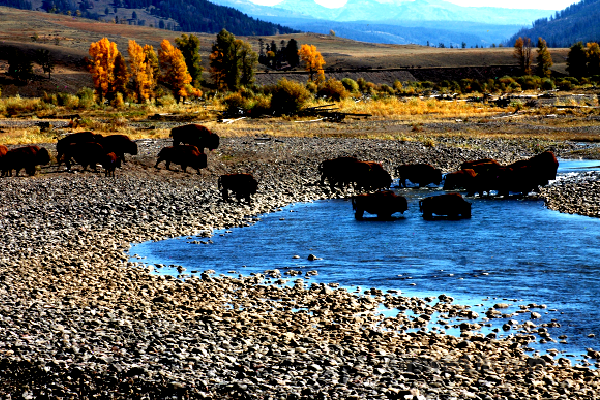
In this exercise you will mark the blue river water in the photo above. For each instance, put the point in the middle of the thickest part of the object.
(511, 251)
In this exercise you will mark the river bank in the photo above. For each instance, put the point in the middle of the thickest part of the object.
(79, 320)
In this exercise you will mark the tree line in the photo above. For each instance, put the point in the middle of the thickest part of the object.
(581, 61)
(178, 68)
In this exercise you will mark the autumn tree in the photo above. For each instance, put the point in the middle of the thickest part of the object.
(174, 71)
(313, 61)
(593, 59)
(189, 46)
(522, 53)
(102, 66)
(152, 64)
(577, 61)
(544, 59)
(140, 72)
(232, 62)
(121, 76)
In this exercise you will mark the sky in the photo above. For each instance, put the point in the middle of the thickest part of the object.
(530, 4)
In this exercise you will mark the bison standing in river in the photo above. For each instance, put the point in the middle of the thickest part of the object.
(195, 135)
(27, 158)
(383, 204)
(184, 156)
(450, 205)
(243, 185)
(419, 174)
(337, 171)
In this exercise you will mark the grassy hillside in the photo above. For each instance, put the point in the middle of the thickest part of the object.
(68, 39)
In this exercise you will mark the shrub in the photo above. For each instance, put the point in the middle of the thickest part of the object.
(67, 100)
(515, 87)
(289, 97)
(311, 87)
(547, 84)
(528, 82)
(332, 89)
(398, 85)
(118, 102)
(261, 104)
(564, 84)
(86, 97)
(350, 85)
(234, 101)
(386, 89)
(165, 100)
(50, 98)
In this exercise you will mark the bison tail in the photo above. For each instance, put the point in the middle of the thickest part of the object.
(421, 205)
(219, 184)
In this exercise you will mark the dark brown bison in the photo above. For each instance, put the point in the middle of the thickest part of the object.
(337, 171)
(419, 174)
(85, 154)
(544, 166)
(243, 185)
(119, 144)
(195, 135)
(383, 204)
(185, 156)
(27, 158)
(79, 137)
(450, 205)
(110, 162)
(369, 175)
(480, 165)
(463, 179)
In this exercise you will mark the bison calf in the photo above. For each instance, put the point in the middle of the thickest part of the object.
(184, 156)
(243, 185)
(110, 162)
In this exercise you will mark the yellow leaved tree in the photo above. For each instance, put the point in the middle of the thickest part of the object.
(313, 62)
(175, 74)
(140, 72)
(101, 65)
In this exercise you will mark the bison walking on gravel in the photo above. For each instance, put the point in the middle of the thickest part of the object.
(110, 162)
(119, 144)
(27, 158)
(185, 156)
(242, 185)
(86, 154)
(80, 137)
(195, 135)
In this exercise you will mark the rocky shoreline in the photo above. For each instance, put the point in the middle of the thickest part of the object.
(79, 320)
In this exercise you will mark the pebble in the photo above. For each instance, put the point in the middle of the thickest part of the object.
(74, 308)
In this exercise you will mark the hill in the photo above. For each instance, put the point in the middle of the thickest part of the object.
(186, 15)
(577, 23)
(68, 39)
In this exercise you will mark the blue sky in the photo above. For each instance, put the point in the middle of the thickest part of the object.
(531, 4)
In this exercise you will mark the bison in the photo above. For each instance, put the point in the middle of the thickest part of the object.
(480, 165)
(86, 154)
(79, 137)
(3, 150)
(195, 135)
(243, 185)
(451, 205)
(419, 174)
(383, 204)
(369, 175)
(184, 156)
(27, 157)
(110, 162)
(337, 171)
(119, 144)
(463, 179)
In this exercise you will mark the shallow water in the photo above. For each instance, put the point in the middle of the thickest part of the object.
(510, 251)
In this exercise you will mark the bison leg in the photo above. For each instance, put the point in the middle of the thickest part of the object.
(359, 213)
(225, 194)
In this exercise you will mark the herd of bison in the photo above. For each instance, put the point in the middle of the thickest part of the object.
(88, 149)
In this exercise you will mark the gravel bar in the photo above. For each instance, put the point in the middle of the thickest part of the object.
(79, 320)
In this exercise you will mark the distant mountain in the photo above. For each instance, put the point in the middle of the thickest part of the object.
(399, 11)
(577, 23)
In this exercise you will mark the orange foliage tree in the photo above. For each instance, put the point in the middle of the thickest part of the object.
(174, 70)
(101, 65)
(313, 61)
(141, 74)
